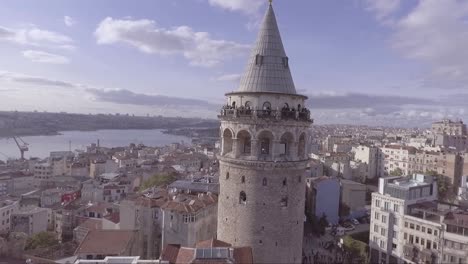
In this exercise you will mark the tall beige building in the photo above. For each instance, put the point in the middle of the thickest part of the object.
(264, 130)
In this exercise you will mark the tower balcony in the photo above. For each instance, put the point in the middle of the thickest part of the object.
(228, 112)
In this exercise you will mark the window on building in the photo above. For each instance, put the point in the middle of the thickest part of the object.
(383, 231)
(377, 203)
(423, 229)
(285, 182)
(284, 202)
(384, 219)
(227, 176)
(243, 179)
(264, 182)
(242, 198)
(406, 224)
(435, 232)
(376, 228)
(394, 246)
(411, 226)
(396, 207)
(418, 227)
(386, 205)
(405, 236)
(376, 216)
(429, 231)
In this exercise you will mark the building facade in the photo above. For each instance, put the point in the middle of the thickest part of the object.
(264, 130)
(7, 208)
(391, 210)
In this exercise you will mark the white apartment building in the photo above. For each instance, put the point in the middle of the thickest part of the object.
(370, 156)
(30, 220)
(389, 214)
(7, 208)
(188, 219)
(395, 157)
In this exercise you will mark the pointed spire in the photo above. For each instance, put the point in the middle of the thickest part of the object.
(268, 66)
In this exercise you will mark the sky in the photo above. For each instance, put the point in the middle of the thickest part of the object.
(375, 62)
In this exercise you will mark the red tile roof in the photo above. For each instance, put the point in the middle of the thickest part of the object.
(107, 242)
(211, 243)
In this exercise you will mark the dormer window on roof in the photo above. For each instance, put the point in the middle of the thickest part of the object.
(285, 62)
(258, 60)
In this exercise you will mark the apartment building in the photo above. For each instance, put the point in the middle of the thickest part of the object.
(368, 155)
(7, 208)
(389, 207)
(409, 225)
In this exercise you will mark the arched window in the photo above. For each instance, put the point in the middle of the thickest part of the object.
(265, 146)
(264, 182)
(242, 198)
(265, 139)
(285, 182)
(284, 201)
(227, 176)
(287, 140)
(227, 141)
(243, 179)
(286, 106)
(234, 104)
(299, 107)
(248, 105)
(266, 106)
(302, 146)
(245, 142)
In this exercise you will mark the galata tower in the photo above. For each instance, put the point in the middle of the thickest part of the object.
(265, 134)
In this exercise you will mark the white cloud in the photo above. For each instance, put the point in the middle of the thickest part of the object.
(229, 78)
(246, 6)
(198, 47)
(30, 80)
(69, 21)
(383, 8)
(34, 36)
(435, 33)
(45, 57)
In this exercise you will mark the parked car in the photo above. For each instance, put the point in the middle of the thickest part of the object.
(348, 227)
(355, 221)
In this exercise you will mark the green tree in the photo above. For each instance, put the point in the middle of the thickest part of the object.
(159, 180)
(444, 186)
(322, 224)
(397, 172)
(344, 210)
(318, 225)
(357, 251)
(41, 240)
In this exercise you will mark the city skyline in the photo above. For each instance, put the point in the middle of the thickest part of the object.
(364, 62)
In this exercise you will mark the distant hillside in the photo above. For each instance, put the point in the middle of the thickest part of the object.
(40, 123)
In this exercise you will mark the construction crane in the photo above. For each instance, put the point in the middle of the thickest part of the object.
(22, 147)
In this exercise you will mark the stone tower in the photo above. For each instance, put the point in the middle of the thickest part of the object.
(265, 131)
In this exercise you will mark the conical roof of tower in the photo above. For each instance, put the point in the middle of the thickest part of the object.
(268, 66)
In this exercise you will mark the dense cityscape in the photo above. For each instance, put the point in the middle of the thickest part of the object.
(264, 183)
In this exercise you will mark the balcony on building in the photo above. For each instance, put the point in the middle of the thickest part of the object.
(230, 112)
